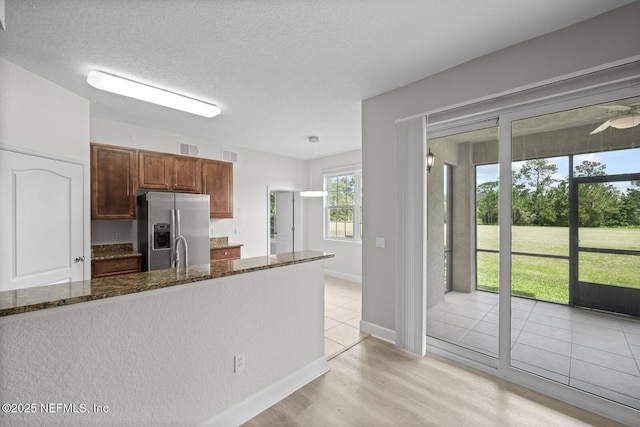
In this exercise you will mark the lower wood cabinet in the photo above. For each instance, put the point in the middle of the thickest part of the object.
(218, 254)
(113, 267)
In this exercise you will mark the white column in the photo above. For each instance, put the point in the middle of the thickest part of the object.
(411, 251)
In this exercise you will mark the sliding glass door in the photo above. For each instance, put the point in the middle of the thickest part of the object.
(574, 249)
(461, 313)
(545, 246)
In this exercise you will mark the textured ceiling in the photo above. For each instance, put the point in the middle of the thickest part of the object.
(280, 70)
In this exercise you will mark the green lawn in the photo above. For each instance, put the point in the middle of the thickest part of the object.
(547, 279)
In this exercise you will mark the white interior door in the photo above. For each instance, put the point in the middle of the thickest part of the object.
(284, 226)
(41, 221)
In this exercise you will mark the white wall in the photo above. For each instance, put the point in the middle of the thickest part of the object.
(347, 263)
(589, 44)
(36, 114)
(39, 116)
(251, 175)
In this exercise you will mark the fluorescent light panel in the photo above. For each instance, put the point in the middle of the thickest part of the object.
(126, 87)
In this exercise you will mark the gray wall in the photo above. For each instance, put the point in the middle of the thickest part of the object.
(592, 43)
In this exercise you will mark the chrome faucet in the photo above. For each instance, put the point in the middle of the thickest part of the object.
(176, 255)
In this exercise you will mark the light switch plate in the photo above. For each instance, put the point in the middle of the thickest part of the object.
(379, 242)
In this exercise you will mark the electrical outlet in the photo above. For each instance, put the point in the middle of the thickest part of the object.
(238, 363)
(114, 236)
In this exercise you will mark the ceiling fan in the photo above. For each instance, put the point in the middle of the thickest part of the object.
(626, 117)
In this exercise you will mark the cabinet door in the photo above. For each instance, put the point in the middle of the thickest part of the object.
(113, 173)
(217, 182)
(186, 174)
(154, 170)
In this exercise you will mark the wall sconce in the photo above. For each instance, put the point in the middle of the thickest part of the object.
(431, 159)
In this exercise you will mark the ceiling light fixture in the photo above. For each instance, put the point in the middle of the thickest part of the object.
(143, 92)
(313, 193)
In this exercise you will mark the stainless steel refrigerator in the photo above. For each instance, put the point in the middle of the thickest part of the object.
(173, 229)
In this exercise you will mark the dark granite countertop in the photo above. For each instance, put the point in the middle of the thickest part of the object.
(43, 297)
(228, 245)
(115, 251)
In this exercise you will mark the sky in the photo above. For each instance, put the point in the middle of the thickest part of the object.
(617, 162)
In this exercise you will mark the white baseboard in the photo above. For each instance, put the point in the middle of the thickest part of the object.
(378, 332)
(267, 397)
(343, 276)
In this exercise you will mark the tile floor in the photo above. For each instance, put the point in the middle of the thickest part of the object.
(589, 350)
(342, 311)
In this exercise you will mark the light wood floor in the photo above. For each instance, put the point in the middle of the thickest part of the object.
(376, 384)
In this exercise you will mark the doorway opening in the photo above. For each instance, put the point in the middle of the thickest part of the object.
(286, 232)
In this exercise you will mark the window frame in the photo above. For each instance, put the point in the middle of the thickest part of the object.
(356, 206)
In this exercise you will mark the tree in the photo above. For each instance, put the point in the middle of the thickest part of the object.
(487, 202)
(599, 203)
(520, 212)
(558, 201)
(537, 177)
(630, 206)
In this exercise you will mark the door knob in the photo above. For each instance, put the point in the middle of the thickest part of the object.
(79, 259)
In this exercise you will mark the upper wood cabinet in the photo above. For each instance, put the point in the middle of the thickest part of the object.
(186, 173)
(217, 182)
(113, 182)
(161, 171)
(117, 173)
(153, 170)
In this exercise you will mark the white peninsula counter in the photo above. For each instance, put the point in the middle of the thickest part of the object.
(162, 352)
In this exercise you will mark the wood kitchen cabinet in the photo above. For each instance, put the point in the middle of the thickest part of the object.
(153, 170)
(217, 182)
(161, 171)
(186, 173)
(113, 267)
(218, 254)
(113, 182)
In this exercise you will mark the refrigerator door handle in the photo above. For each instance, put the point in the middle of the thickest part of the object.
(174, 253)
(177, 213)
(179, 239)
(182, 240)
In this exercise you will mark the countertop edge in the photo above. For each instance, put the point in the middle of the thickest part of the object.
(110, 287)
(116, 256)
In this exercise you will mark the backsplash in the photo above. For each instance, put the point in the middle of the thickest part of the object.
(104, 250)
(218, 242)
(110, 232)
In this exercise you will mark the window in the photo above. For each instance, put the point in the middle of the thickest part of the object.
(343, 212)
